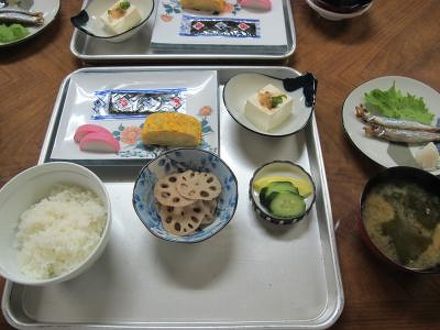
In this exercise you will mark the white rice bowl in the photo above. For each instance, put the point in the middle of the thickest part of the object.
(49, 240)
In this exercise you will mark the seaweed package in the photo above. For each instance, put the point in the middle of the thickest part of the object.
(131, 104)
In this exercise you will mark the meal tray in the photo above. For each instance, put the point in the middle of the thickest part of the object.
(251, 275)
(139, 48)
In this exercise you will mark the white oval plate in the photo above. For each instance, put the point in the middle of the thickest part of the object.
(240, 87)
(382, 152)
(50, 10)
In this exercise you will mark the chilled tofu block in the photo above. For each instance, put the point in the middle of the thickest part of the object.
(268, 108)
(121, 17)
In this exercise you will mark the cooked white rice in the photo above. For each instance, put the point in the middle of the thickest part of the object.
(60, 231)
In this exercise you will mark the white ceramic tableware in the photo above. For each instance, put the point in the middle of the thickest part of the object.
(89, 19)
(28, 188)
(198, 97)
(240, 87)
(383, 152)
(49, 8)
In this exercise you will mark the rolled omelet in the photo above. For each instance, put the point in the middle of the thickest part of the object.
(172, 129)
(204, 5)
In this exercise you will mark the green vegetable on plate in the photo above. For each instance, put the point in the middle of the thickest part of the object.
(12, 32)
(392, 103)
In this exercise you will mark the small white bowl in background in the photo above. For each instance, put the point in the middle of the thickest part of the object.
(28, 188)
(88, 20)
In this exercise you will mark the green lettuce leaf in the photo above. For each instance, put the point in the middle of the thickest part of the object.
(392, 103)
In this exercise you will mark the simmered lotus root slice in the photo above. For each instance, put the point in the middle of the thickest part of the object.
(198, 185)
(165, 192)
(183, 220)
(209, 217)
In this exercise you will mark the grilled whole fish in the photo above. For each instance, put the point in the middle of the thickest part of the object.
(23, 17)
(369, 118)
(401, 135)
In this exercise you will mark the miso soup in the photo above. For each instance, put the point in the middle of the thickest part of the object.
(403, 221)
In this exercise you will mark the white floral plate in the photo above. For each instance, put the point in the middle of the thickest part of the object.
(382, 152)
(49, 8)
(200, 99)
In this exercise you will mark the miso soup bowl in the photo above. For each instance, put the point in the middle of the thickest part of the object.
(414, 175)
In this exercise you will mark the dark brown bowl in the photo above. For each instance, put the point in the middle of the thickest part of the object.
(343, 6)
(424, 180)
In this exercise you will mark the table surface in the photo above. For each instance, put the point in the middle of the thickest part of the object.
(394, 38)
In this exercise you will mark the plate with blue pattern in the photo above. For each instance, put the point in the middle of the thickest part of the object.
(120, 99)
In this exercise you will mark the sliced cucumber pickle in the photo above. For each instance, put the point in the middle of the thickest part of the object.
(267, 193)
(286, 204)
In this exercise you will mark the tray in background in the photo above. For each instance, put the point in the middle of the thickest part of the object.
(138, 48)
(252, 275)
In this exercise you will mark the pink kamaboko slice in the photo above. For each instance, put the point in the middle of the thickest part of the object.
(256, 4)
(83, 130)
(99, 142)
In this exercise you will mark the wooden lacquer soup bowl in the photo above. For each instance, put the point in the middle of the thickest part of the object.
(375, 207)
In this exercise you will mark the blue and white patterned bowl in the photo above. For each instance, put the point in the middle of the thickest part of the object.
(180, 160)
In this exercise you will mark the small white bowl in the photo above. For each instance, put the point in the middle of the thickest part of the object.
(88, 20)
(241, 86)
(334, 16)
(28, 188)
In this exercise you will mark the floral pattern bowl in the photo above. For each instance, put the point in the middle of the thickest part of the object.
(176, 161)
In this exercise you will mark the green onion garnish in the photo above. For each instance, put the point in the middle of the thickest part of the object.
(277, 100)
(124, 5)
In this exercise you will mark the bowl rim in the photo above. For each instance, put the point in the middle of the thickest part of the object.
(274, 219)
(231, 113)
(337, 15)
(77, 270)
(184, 149)
(88, 32)
(344, 9)
(372, 182)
